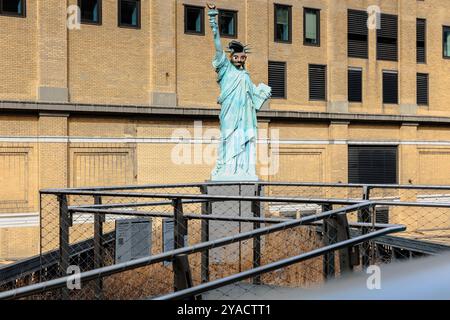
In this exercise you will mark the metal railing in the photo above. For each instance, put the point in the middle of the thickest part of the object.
(227, 237)
(61, 283)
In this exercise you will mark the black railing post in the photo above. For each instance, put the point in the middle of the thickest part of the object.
(98, 247)
(256, 209)
(343, 233)
(206, 210)
(65, 221)
(41, 235)
(329, 237)
(336, 229)
(364, 216)
(182, 278)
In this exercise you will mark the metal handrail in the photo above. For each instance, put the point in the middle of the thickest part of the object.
(195, 216)
(207, 197)
(135, 204)
(262, 183)
(412, 204)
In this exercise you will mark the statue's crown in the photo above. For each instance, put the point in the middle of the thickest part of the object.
(237, 47)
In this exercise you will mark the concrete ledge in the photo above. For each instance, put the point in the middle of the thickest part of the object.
(265, 106)
(212, 113)
(337, 107)
(408, 109)
(163, 99)
(52, 94)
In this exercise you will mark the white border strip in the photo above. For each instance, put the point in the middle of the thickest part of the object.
(18, 220)
(213, 141)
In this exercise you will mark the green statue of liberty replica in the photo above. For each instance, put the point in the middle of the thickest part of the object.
(240, 99)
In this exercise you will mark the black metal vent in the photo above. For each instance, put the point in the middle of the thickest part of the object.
(382, 215)
(422, 89)
(277, 79)
(390, 87)
(421, 40)
(357, 34)
(317, 82)
(387, 38)
(372, 164)
(354, 85)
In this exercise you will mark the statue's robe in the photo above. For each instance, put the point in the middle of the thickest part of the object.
(240, 99)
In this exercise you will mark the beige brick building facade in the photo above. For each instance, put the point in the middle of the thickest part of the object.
(99, 105)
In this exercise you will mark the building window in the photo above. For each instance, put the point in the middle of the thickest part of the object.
(12, 8)
(228, 23)
(387, 38)
(421, 40)
(422, 89)
(357, 42)
(446, 42)
(355, 85)
(194, 20)
(311, 27)
(390, 87)
(317, 82)
(130, 13)
(91, 11)
(277, 79)
(372, 164)
(283, 23)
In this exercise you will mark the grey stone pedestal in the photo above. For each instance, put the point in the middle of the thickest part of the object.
(235, 253)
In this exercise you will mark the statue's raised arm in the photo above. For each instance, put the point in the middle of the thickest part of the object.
(213, 13)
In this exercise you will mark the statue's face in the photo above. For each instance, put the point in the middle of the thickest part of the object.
(238, 59)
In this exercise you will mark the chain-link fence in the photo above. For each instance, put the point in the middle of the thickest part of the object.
(86, 230)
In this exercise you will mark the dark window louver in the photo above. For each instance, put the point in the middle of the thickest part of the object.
(372, 164)
(277, 79)
(317, 82)
(421, 40)
(387, 38)
(422, 89)
(354, 85)
(382, 215)
(357, 34)
(390, 87)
